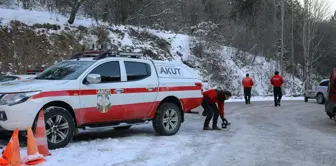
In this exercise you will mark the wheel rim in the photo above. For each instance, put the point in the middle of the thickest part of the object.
(57, 129)
(319, 98)
(170, 120)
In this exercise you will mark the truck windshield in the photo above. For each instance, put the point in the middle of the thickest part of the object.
(66, 70)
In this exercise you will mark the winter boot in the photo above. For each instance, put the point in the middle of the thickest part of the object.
(215, 127)
(206, 128)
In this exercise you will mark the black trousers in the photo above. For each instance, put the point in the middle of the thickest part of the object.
(247, 95)
(212, 112)
(277, 95)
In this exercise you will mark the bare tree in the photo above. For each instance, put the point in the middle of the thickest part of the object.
(75, 6)
(292, 50)
(282, 33)
(314, 12)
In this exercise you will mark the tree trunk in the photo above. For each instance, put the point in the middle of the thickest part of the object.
(282, 34)
(26, 4)
(275, 33)
(292, 51)
(304, 44)
(74, 11)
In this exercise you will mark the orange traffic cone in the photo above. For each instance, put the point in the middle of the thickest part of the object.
(3, 162)
(34, 157)
(12, 152)
(40, 135)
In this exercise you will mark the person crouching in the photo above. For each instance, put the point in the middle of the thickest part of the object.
(210, 98)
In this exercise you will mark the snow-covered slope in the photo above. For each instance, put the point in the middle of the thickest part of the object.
(159, 45)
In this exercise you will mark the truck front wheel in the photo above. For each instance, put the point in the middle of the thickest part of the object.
(60, 127)
(167, 120)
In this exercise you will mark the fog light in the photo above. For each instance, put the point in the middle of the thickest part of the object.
(3, 116)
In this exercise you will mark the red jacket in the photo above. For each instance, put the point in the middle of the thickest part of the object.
(247, 82)
(277, 81)
(212, 94)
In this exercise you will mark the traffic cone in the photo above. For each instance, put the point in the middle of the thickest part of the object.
(11, 153)
(3, 162)
(40, 135)
(34, 157)
(15, 158)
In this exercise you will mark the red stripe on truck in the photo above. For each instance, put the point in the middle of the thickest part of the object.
(128, 111)
(126, 91)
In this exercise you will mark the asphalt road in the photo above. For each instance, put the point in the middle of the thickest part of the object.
(295, 134)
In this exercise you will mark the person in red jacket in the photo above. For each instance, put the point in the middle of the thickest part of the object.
(210, 98)
(247, 84)
(277, 82)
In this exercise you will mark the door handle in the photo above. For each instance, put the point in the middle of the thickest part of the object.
(119, 90)
(150, 89)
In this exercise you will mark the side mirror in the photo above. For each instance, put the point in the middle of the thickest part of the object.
(93, 78)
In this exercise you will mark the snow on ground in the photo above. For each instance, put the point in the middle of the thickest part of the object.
(260, 71)
(297, 133)
(180, 43)
(31, 17)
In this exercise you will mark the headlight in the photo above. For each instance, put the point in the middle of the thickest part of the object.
(16, 98)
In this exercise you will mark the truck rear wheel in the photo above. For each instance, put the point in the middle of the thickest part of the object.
(167, 120)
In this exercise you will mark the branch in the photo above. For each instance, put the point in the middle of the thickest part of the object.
(158, 14)
(139, 11)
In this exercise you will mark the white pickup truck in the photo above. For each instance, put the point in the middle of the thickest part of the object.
(98, 89)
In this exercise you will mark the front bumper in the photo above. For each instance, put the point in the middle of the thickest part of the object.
(19, 116)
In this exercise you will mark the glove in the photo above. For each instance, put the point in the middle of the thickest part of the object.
(205, 113)
(225, 122)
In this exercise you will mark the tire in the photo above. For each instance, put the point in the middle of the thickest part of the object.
(168, 112)
(52, 115)
(122, 128)
(330, 115)
(320, 98)
(305, 98)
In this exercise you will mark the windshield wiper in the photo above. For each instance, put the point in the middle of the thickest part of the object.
(46, 78)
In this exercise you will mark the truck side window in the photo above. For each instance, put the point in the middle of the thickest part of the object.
(109, 71)
(137, 70)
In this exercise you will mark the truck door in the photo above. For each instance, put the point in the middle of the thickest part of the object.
(141, 88)
(102, 102)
